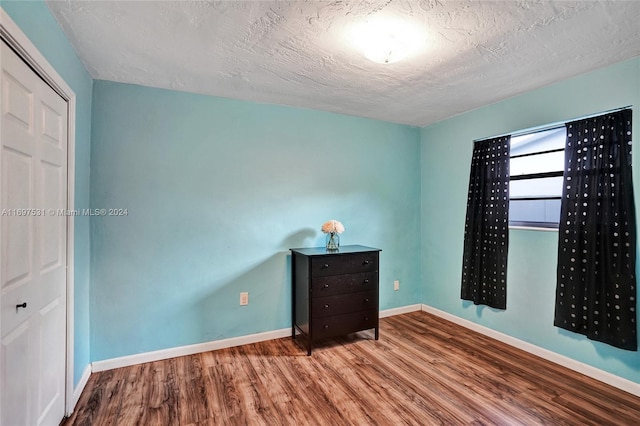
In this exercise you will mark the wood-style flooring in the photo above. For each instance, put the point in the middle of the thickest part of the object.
(423, 371)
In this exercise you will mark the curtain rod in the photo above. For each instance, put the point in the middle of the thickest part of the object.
(551, 126)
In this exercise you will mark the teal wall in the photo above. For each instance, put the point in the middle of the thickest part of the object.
(36, 21)
(445, 160)
(217, 191)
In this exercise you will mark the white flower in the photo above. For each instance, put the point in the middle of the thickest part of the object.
(332, 227)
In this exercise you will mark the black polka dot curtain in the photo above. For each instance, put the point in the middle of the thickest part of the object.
(486, 234)
(596, 286)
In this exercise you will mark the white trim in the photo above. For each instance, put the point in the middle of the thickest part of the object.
(129, 360)
(18, 41)
(14, 37)
(401, 310)
(86, 374)
(588, 370)
(533, 228)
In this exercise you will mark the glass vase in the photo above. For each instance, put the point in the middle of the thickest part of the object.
(333, 241)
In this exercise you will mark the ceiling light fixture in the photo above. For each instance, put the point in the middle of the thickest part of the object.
(386, 49)
(385, 40)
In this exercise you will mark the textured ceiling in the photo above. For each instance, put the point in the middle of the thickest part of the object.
(299, 53)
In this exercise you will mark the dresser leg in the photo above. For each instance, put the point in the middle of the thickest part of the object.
(377, 333)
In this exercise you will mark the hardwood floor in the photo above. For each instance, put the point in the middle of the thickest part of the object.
(423, 371)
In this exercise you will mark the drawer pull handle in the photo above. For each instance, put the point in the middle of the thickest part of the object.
(326, 286)
(326, 306)
(366, 318)
(326, 326)
(326, 265)
(366, 281)
(366, 262)
(366, 300)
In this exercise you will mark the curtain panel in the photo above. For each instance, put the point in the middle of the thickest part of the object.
(596, 283)
(486, 234)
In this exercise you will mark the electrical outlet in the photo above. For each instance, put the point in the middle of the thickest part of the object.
(244, 298)
(396, 285)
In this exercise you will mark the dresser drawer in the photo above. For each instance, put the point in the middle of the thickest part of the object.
(343, 324)
(336, 265)
(341, 284)
(343, 304)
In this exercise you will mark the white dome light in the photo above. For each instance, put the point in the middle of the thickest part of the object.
(386, 49)
(387, 40)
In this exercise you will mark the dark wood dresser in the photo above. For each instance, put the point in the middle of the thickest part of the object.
(334, 293)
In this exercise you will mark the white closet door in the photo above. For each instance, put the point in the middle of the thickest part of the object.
(33, 183)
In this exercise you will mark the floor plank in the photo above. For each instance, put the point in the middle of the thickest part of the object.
(423, 370)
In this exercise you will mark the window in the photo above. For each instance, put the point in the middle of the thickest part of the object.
(535, 186)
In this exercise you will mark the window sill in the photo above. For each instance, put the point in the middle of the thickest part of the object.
(533, 228)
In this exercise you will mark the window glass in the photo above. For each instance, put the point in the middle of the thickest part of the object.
(544, 187)
(546, 140)
(535, 188)
(540, 163)
(534, 212)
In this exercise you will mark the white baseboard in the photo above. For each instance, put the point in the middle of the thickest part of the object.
(401, 310)
(80, 387)
(588, 370)
(128, 360)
